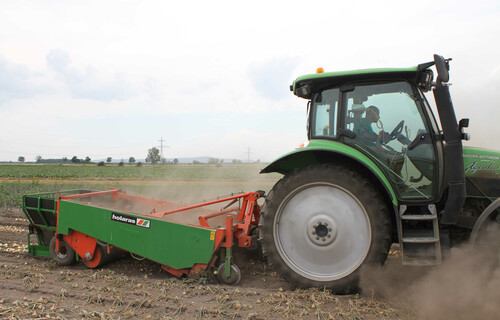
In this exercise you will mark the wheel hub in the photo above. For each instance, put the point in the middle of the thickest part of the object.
(321, 230)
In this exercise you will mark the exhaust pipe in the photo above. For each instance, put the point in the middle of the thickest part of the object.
(453, 150)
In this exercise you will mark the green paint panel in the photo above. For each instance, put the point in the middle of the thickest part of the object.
(355, 72)
(482, 168)
(304, 156)
(175, 245)
(482, 162)
(339, 74)
(39, 251)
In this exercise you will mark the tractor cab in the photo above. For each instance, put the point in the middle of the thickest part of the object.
(389, 120)
(384, 115)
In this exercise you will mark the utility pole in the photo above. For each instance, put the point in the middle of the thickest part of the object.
(248, 154)
(161, 146)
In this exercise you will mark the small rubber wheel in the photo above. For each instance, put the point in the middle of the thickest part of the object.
(234, 277)
(96, 260)
(65, 256)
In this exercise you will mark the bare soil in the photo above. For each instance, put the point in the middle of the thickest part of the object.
(36, 288)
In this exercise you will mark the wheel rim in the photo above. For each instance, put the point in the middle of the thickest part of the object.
(235, 274)
(63, 250)
(322, 231)
(96, 259)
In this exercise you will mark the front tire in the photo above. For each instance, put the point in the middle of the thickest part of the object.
(321, 224)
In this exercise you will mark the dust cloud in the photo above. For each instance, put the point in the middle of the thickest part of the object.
(465, 286)
(177, 193)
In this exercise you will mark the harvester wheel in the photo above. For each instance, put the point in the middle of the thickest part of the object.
(321, 224)
(102, 257)
(65, 256)
(234, 277)
(96, 260)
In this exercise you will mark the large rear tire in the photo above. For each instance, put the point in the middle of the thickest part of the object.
(321, 224)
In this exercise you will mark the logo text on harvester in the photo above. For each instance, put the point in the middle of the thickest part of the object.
(130, 220)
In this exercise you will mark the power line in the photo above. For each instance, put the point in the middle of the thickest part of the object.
(248, 154)
(161, 146)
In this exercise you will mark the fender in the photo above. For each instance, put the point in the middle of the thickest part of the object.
(319, 151)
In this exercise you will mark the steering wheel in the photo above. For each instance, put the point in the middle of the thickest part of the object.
(396, 132)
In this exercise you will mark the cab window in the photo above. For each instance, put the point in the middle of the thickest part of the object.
(386, 118)
(324, 114)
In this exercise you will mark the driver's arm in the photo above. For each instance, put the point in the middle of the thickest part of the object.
(384, 136)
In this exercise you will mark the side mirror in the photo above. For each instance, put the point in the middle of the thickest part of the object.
(443, 68)
(464, 123)
(303, 92)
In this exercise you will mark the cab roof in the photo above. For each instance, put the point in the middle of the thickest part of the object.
(319, 81)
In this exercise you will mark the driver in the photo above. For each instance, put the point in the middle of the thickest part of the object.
(363, 128)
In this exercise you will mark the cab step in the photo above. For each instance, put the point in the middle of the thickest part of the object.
(418, 230)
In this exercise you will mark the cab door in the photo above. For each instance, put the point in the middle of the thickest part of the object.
(393, 138)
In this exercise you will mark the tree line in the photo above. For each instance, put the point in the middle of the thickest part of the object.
(153, 157)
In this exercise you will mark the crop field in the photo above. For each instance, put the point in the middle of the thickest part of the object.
(113, 171)
(36, 288)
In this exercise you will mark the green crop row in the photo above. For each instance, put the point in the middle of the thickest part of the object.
(11, 192)
(129, 172)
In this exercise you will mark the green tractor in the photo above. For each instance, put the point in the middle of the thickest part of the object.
(376, 170)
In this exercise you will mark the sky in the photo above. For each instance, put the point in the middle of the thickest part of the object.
(211, 78)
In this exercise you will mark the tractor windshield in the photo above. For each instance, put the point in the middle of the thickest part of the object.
(389, 125)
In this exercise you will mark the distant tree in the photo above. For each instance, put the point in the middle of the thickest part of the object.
(196, 162)
(21, 159)
(153, 155)
(139, 164)
(75, 159)
(176, 161)
(100, 164)
(38, 159)
(108, 159)
(213, 161)
(131, 160)
(120, 164)
(163, 160)
(65, 159)
(219, 164)
(236, 161)
(87, 159)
